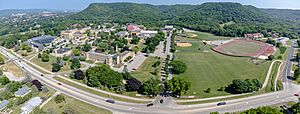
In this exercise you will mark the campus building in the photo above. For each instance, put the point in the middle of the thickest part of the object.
(39, 43)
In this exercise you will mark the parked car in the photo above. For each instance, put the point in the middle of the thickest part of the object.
(161, 101)
(59, 83)
(110, 101)
(296, 94)
(151, 104)
(221, 103)
(42, 74)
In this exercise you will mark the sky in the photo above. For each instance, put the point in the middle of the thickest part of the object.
(81, 4)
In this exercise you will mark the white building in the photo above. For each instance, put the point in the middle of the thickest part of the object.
(30, 105)
(148, 34)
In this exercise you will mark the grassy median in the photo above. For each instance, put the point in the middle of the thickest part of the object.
(96, 92)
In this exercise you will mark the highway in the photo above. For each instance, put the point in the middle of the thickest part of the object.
(170, 107)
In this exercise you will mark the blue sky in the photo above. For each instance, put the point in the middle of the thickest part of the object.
(81, 4)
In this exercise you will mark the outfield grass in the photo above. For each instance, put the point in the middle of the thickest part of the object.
(146, 71)
(205, 36)
(214, 70)
(77, 106)
(95, 92)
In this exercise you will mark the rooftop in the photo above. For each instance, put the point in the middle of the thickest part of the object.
(30, 105)
(3, 104)
(22, 91)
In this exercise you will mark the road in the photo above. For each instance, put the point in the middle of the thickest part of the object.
(170, 107)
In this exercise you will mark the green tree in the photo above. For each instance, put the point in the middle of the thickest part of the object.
(103, 75)
(135, 40)
(1, 60)
(4, 80)
(13, 86)
(151, 87)
(271, 57)
(39, 55)
(56, 67)
(45, 57)
(177, 85)
(263, 110)
(76, 52)
(86, 47)
(75, 64)
(135, 49)
(59, 99)
(178, 67)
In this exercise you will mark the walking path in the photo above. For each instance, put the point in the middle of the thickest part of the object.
(277, 75)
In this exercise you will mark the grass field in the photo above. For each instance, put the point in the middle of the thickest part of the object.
(270, 87)
(214, 70)
(242, 48)
(205, 36)
(77, 106)
(96, 92)
(48, 65)
(146, 71)
(14, 69)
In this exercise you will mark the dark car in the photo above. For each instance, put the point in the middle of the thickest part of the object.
(59, 83)
(296, 94)
(110, 101)
(42, 74)
(151, 104)
(221, 103)
(161, 101)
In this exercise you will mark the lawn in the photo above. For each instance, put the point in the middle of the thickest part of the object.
(270, 87)
(14, 69)
(96, 92)
(48, 65)
(77, 106)
(205, 36)
(214, 70)
(146, 71)
(29, 55)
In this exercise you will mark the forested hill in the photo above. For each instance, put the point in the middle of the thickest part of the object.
(228, 19)
(285, 14)
(120, 12)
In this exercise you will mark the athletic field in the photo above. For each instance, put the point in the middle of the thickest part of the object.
(248, 48)
(214, 70)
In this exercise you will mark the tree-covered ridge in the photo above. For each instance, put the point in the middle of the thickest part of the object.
(285, 14)
(207, 17)
(120, 13)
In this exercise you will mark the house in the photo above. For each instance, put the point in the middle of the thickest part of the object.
(3, 104)
(122, 34)
(40, 42)
(133, 29)
(22, 91)
(254, 35)
(148, 34)
(30, 105)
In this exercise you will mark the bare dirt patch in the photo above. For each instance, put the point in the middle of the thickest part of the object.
(183, 44)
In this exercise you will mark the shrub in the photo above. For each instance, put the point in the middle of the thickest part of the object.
(59, 98)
